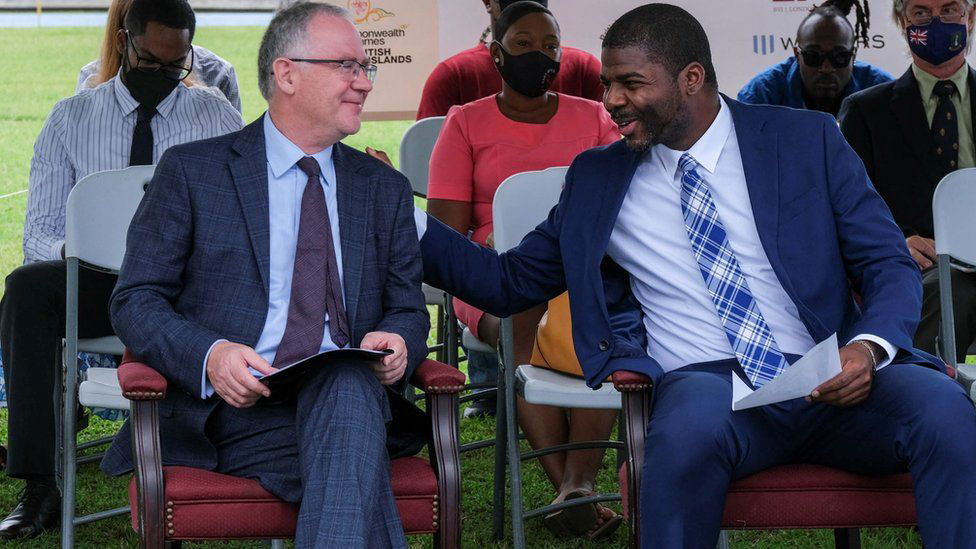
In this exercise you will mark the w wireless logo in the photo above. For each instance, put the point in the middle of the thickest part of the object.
(763, 43)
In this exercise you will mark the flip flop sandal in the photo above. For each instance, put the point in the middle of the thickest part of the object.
(572, 521)
(605, 530)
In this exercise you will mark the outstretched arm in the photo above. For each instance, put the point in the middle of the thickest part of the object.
(500, 284)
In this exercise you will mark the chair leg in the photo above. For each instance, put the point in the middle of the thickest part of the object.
(69, 388)
(512, 435)
(498, 507)
(441, 336)
(847, 538)
(277, 544)
(723, 540)
(174, 544)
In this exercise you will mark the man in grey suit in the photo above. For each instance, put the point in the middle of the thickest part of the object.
(267, 245)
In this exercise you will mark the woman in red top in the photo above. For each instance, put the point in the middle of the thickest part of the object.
(525, 128)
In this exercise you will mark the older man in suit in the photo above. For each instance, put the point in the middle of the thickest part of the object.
(267, 245)
(721, 239)
(913, 131)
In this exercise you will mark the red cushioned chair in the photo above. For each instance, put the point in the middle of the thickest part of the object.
(781, 498)
(171, 504)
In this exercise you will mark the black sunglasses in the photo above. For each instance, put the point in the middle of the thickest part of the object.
(838, 59)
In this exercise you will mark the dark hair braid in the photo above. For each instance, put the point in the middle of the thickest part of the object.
(842, 8)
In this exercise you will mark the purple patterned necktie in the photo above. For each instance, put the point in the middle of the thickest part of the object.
(315, 286)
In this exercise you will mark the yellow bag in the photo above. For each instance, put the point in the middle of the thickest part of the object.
(553, 347)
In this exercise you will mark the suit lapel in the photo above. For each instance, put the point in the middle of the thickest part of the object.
(617, 183)
(906, 104)
(756, 147)
(250, 174)
(353, 198)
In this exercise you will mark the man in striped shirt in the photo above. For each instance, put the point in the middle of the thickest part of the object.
(129, 120)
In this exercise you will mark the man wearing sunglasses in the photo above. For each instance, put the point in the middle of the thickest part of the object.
(823, 70)
(129, 120)
(910, 133)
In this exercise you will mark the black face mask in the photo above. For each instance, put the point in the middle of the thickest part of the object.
(148, 88)
(530, 74)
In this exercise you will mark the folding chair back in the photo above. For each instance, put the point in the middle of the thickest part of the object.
(952, 208)
(415, 149)
(99, 210)
(522, 201)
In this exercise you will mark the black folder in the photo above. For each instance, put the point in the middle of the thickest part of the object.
(283, 382)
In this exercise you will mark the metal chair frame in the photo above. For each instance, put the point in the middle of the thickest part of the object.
(952, 205)
(99, 209)
(511, 224)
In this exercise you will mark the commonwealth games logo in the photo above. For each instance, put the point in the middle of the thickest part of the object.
(363, 11)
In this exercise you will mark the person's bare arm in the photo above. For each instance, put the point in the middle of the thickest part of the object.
(453, 213)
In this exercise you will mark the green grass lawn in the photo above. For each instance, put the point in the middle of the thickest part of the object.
(40, 67)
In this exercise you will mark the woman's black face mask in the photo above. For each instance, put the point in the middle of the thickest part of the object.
(530, 74)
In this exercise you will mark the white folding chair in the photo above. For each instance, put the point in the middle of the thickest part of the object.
(952, 208)
(416, 147)
(522, 202)
(99, 210)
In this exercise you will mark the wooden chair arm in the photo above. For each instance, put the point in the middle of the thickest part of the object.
(626, 381)
(436, 377)
(140, 381)
(441, 384)
(145, 387)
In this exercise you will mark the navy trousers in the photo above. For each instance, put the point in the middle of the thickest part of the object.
(326, 449)
(915, 419)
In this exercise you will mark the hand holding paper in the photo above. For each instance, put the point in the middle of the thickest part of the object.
(819, 365)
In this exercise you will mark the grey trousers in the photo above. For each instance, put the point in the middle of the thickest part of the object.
(325, 448)
(963, 310)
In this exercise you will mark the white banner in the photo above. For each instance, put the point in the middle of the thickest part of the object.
(746, 36)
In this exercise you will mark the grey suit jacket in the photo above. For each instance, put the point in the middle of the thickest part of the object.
(196, 270)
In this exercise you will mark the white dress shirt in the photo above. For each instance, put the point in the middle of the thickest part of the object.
(92, 132)
(650, 242)
(286, 185)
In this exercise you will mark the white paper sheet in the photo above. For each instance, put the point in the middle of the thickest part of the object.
(800, 379)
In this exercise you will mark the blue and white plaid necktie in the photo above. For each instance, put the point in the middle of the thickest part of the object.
(750, 337)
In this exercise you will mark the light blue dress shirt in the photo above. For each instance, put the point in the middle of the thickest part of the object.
(286, 184)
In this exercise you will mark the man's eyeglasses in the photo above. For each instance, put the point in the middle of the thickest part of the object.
(175, 71)
(349, 68)
(839, 59)
(920, 16)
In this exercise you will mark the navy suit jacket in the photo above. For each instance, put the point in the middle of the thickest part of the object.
(825, 230)
(196, 270)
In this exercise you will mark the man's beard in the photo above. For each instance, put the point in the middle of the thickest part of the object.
(656, 129)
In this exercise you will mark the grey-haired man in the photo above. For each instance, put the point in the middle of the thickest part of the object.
(267, 245)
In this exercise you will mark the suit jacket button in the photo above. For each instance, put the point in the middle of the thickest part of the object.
(604, 345)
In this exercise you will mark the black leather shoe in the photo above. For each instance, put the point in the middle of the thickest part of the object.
(37, 510)
(484, 407)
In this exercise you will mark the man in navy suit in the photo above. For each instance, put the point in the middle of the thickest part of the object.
(258, 248)
(722, 239)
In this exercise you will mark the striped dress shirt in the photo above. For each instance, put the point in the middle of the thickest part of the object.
(91, 132)
(208, 68)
